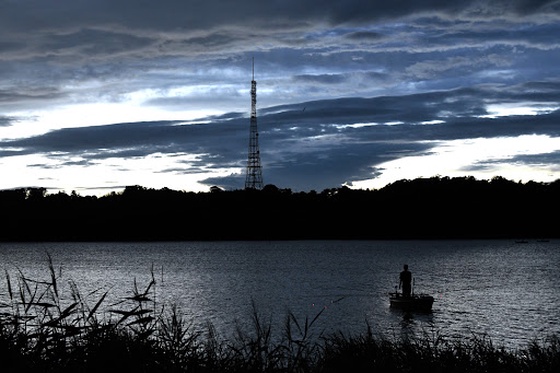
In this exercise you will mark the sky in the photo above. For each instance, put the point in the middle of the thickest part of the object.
(97, 95)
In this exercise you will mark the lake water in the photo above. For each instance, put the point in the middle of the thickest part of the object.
(505, 290)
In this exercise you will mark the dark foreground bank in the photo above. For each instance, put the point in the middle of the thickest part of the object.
(42, 330)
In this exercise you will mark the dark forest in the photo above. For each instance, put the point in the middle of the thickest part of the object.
(430, 208)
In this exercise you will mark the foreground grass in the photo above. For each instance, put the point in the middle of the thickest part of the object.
(38, 333)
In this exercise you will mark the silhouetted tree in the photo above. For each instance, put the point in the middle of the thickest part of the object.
(437, 207)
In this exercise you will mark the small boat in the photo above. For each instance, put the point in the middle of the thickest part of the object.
(414, 302)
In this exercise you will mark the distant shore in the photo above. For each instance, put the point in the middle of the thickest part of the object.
(434, 208)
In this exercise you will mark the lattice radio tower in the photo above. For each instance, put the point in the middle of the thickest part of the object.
(253, 179)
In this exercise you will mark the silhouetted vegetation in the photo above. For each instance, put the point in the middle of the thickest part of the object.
(44, 330)
(434, 208)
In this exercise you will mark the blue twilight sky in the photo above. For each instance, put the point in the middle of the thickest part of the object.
(96, 95)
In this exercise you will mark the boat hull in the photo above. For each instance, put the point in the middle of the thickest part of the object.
(417, 302)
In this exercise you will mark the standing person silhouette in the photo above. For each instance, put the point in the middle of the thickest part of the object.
(405, 281)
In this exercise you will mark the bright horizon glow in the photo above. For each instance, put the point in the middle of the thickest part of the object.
(481, 158)
(108, 174)
(93, 114)
(519, 108)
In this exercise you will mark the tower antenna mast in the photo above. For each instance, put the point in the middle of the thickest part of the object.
(253, 179)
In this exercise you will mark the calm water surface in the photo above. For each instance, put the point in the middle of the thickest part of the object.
(502, 289)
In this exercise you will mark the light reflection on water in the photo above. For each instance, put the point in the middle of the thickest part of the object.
(496, 288)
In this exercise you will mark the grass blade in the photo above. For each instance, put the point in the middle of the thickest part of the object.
(53, 275)
(94, 309)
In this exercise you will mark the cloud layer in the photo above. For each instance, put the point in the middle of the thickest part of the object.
(348, 91)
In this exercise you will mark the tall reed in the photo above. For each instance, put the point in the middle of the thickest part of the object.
(42, 331)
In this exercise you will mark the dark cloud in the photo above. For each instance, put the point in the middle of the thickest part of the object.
(6, 121)
(92, 42)
(314, 145)
(532, 6)
(364, 36)
(539, 159)
(321, 79)
(126, 24)
(153, 136)
(80, 41)
(23, 93)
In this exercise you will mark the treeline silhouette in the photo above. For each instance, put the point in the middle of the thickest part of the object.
(425, 208)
